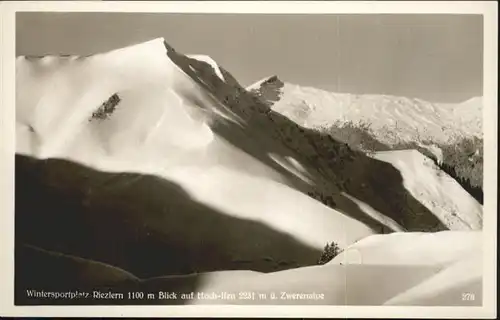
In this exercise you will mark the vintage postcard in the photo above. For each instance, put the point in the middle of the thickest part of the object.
(291, 159)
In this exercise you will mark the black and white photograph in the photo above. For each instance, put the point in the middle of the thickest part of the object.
(267, 159)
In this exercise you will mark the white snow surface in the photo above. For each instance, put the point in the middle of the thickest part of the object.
(392, 119)
(435, 189)
(411, 248)
(210, 61)
(422, 269)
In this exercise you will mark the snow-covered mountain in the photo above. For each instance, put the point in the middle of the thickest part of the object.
(421, 177)
(151, 164)
(392, 119)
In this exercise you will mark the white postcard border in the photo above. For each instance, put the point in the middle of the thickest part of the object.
(489, 10)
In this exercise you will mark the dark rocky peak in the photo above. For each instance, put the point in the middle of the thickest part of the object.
(270, 90)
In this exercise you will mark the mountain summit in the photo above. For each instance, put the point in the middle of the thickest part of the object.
(268, 89)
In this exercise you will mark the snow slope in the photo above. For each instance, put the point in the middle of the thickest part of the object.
(193, 175)
(210, 61)
(392, 119)
(164, 125)
(412, 248)
(402, 268)
(439, 192)
(420, 269)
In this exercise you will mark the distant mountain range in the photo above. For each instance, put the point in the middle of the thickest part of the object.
(392, 119)
(449, 133)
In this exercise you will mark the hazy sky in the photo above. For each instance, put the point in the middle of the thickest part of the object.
(433, 57)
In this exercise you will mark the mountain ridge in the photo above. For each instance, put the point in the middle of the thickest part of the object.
(449, 133)
(317, 108)
(275, 78)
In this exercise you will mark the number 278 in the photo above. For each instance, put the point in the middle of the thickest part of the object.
(467, 296)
